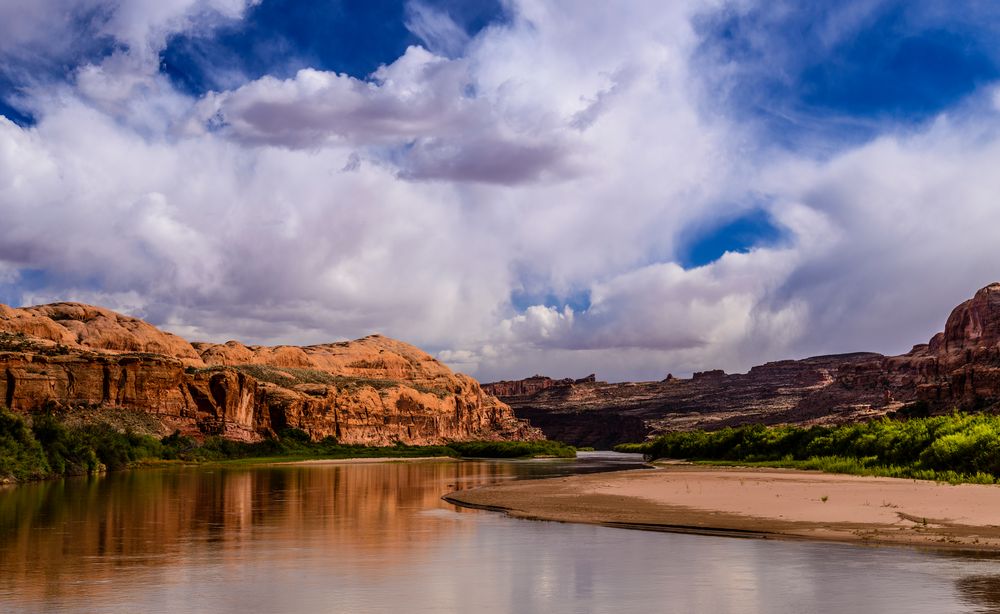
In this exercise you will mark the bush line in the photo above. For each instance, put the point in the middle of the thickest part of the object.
(48, 448)
(956, 448)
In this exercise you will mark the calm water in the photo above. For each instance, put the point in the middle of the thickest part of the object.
(377, 538)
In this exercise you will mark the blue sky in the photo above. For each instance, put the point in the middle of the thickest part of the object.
(517, 185)
(279, 37)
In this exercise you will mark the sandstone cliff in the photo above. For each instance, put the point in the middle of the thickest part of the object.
(958, 368)
(89, 361)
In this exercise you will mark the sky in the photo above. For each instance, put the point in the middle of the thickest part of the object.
(517, 186)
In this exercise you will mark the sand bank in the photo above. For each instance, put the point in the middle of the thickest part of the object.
(762, 503)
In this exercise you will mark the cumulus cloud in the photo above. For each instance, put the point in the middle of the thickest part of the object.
(550, 157)
(421, 113)
(109, 51)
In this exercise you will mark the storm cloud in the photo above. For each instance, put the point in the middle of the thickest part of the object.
(518, 199)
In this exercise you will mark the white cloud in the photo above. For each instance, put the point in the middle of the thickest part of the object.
(554, 157)
(415, 113)
(58, 30)
(436, 29)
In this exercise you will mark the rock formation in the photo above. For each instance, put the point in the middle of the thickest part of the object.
(531, 385)
(959, 368)
(93, 362)
(599, 414)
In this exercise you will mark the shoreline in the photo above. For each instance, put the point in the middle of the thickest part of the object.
(150, 464)
(361, 460)
(761, 503)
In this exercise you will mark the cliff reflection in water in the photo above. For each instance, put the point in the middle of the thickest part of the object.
(53, 535)
(378, 538)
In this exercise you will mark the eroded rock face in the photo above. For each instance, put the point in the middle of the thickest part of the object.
(80, 326)
(531, 385)
(600, 414)
(374, 391)
(958, 368)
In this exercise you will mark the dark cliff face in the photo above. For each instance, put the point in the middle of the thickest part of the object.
(87, 361)
(595, 429)
(958, 368)
(589, 412)
(531, 385)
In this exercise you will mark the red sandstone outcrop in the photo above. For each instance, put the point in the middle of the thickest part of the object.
(375, 390)
(81, 326)
(958, 368)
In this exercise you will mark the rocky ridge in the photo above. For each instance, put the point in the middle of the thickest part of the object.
(958, 368)
(93, 362)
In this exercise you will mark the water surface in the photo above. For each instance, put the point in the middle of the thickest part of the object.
(378, 538)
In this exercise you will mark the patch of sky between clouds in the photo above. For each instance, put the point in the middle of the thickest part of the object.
(893, 68)
(10, 292)
(907, 77)
(29, 68)
(752, 229)
(21, 118)
(22, 284)
(280, 37)
(577, 301)
(10, 107)
(12, 285)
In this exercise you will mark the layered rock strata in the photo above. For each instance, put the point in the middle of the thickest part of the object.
(958, 368)
(601, 414)
(86, 360)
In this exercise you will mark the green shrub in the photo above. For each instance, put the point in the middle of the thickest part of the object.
(67, 451)
(295, 436)
(21, 455)
(958, 447)
(51, 448)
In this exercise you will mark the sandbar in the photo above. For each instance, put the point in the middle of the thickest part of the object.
(759, 503)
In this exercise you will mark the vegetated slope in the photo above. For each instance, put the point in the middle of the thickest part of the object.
(959, 368)
(90, 363)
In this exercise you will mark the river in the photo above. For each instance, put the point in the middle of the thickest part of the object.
(377, 537)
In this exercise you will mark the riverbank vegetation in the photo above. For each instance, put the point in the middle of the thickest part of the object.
(42, 446)
(954, 448)
(512, 449)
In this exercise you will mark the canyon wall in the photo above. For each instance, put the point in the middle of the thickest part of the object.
(91, 363)
(958, 368)
(601, 414)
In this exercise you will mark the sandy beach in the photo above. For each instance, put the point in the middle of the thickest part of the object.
(760, 503)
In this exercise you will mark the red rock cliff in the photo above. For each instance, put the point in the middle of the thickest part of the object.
(89, 360)
(958, 368)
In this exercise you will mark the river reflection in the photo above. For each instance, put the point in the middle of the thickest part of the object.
(377, 537)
